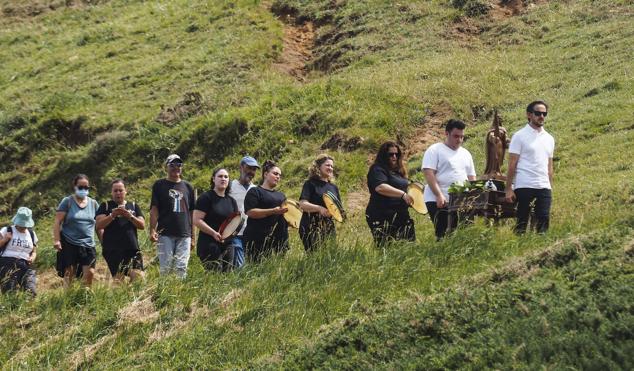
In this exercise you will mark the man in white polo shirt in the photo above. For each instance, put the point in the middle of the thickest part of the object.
(443, 164)
(237, 190)
(531, 170)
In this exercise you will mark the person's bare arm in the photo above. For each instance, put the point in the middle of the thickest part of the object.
(263, 213)
(312, 208)
(102, 221)
(59, 219)
(153, 224)
(200, 223)
(551, 171)
(6, 238)
(510, 176)
(430, 177)
(387, 190)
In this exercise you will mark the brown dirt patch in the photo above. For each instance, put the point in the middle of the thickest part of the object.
(49, 280)
(356, 201)
(467, 29)
(191, 104)
(431, 131)
(298, 43)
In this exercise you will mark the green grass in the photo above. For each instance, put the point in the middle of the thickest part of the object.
(81, 88)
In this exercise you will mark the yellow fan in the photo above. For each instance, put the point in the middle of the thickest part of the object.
(294, 214)
(334, 206)
(416, 190)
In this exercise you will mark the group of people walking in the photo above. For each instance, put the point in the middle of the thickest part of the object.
(175, 211)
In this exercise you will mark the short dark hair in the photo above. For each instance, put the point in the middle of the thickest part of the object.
(454, 124)
(532, 105)
(117, 180)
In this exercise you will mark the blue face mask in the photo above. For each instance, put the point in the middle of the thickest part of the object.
(81, 193)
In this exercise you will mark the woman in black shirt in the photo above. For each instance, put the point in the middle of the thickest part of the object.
(212, 209)
(317, 224)
(387, 213)
(267, 230)
(119, 220)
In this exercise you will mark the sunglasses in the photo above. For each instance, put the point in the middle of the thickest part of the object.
(175, 164)
(393, 154)
(539, 113)
(82, 187)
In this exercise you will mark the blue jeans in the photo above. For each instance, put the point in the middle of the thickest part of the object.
(535, 204)
(238, 252)
(173, 253)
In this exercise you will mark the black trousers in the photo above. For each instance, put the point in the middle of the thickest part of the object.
(398, 227)
(315, 231)
(440, 218)
(535, 203)
(216, 256)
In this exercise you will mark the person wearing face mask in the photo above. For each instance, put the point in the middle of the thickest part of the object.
(120, 220)
(73, 233)
(18, 244)
(531, 170)
(267, 231)
(444, 164)
(238, 189)
(316, 224)
(212, 209)
(387, 212)
(171, 214)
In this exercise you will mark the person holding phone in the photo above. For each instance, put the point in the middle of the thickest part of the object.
(119, 220)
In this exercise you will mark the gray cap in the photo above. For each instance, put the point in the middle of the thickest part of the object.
(173, 158)
(249, 161)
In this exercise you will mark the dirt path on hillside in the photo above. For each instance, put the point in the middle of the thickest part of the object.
(467, 29)
(297, 50)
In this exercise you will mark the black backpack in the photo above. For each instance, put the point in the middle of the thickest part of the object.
(9, 228)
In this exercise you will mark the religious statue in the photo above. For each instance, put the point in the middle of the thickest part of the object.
(496, 146)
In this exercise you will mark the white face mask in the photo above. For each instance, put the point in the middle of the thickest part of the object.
(81, 193)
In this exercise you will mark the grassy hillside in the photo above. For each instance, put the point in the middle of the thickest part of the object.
(110, 88)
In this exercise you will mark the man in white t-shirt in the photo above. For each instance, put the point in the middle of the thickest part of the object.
(444, 164)
(238, 190)
(18, 244)
(531, 170)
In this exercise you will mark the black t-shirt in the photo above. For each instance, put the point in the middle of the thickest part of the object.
(382, 205)
(313, 192)
(217, 209)
(274, 225)
(175, 202)
(121, 233)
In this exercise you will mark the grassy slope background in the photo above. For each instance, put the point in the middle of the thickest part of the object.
(82, 86)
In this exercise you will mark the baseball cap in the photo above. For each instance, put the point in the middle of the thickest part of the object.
(249, 161)
(173, 158)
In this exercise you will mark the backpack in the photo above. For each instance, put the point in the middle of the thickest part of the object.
(10, 228)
